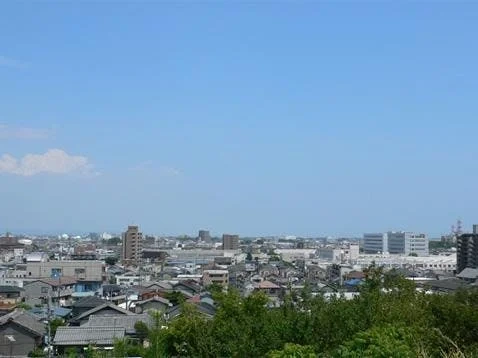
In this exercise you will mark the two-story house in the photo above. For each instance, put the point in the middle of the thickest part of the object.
(59, 290)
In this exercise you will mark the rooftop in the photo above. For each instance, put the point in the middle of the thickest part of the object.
(103, 336)
(61, 281)
(25, 320)
(125, 322)
(11, 289)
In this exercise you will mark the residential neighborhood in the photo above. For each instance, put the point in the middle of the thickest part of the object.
(96, 295)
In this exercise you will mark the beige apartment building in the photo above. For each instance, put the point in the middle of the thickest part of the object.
(219, 277)
(81, 270)
(132, 246)
(230, 242)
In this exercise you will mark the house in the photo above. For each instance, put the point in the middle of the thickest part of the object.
(111, 290)
(11, 293)
(89, 274)
(268, 270)
(445, 286)
(269, 288)
(153, 303)
(159, 286)
(204, 308)
(41, 313)
(10, 296)
(131, 279)
(106, 309)
(127, 322)
(20, 333)
(81, 337)
(85, 304)
(187, 288)
(355, 275)
(58, 289)
(316, 273)
(468, 274)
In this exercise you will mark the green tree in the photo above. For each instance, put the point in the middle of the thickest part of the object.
(175, 297)
(114, 241)
(111, 260)
(293, 351)
(24, 306)
(142, 330)
(380, 342)
(249, 257)
(38, 353)
(54, 324)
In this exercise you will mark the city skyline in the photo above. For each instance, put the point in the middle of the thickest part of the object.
(256, 119)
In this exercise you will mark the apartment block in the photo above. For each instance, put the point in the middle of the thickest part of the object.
(219, 277)
(132, 249)
(467, 250)
(230, 242)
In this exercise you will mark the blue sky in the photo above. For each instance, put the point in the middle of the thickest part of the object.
(275, 118)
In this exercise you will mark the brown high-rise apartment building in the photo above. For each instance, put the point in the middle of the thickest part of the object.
(132, 246)
(204, 235)
(230, 242)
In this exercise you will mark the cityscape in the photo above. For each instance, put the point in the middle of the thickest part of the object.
(80, 282)
(238, 179)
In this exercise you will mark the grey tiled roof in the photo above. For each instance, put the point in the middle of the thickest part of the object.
(89, 302)
(79, 336)
(450, 284)
(103, 306)
(155, 299)
(125, 322)
(470, 273)
(25, 320)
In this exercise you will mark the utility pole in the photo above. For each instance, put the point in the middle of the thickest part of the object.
(50, 350)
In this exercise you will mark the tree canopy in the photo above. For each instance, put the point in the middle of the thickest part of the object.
(388, 319)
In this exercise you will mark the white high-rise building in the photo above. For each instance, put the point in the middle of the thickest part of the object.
(375, 243)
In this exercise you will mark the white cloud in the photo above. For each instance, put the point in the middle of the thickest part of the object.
(10, 62)
(7, 132)
(54, 161)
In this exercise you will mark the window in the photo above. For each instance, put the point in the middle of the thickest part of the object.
(44, 290)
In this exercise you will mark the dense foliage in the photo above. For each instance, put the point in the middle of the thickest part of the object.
(389, 319)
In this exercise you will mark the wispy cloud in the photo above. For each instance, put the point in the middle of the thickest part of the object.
(54, 161)
(7, 132)
(169, 171)
(10, 62)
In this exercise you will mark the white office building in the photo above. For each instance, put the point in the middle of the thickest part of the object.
(408, 243)
(375, 243)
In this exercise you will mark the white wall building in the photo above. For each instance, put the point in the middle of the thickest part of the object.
(132, 279)
(420, 263)
(330, 254)
(408, 243)
(375, 243)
